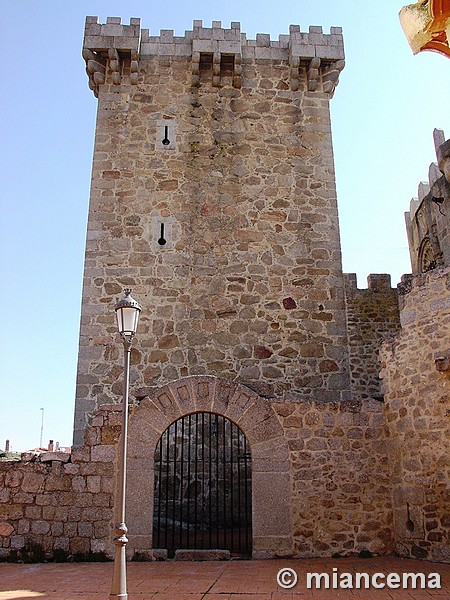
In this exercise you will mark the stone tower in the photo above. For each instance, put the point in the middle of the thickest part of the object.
(213, 197)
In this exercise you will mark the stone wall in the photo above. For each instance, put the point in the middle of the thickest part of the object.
(372, 316)
(320, 478)
(416, 385)
(341, 490)
(61, 505)
(427, 222)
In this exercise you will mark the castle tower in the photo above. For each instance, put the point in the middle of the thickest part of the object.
(213, 197)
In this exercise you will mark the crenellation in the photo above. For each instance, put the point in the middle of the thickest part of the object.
(295, 48)
(413, 206)
(434, 174)
(426, 223)
(379, 281)
(423, 190)
(263, 39)
(351, 281)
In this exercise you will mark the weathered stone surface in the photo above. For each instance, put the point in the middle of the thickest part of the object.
(417, 406)
(60, 505)
(58, 456)
(372, 316)
(199, 555)
(6, 529)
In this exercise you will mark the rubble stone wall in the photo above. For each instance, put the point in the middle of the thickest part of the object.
(341, 495)
(320, 472)
(320, 478)
(372, 316)
(416, 383)
(60, 505)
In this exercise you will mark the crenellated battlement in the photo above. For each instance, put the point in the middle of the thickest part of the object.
(426, 221)
(376, 282)
(106, 45)
(320, 54)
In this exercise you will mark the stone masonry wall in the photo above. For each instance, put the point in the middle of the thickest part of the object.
(372, 316)
(416, 385)
(427, 221)
(61, 505)
(341, 496)
(320, 478)
(320, 473)
(213, 197)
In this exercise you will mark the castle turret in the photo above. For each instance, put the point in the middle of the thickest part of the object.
(427, 222)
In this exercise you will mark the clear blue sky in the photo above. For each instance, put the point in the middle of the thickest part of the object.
(384, 112)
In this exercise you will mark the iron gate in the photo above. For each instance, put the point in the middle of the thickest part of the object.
(202, 494)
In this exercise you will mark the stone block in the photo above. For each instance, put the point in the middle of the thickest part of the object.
(104, 453)
(205, 46)
(111, 29)
(266, 547)
(62, 543)
(6, 529)
(17, 542)
(13, 478)
(100, 546)
(263, 39)
(201, 555)
(230, 47)
(98, 42)
(62, 457)
(40, 527)
(302, 50)
(93, 483)
(10, 512)
(272, 493)
(275, 448)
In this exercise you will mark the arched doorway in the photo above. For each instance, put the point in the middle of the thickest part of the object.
(202, 493)
(270, 463)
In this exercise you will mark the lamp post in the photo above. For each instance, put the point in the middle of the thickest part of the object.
(127, 312)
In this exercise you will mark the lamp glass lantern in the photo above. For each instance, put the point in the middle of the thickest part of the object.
(127, 313)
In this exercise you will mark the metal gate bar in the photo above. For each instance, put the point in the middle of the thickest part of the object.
(202, 496)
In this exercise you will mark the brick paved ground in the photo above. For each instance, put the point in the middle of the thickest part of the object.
(236, 580)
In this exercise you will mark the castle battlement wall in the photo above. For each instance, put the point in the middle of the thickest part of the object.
(427, 221)
(107, 45)
(415, 370)
(372, 316)
(213, 196)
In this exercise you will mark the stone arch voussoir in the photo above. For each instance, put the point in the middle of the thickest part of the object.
(272, 531)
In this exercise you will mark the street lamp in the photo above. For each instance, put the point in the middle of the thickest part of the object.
(127, 313)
